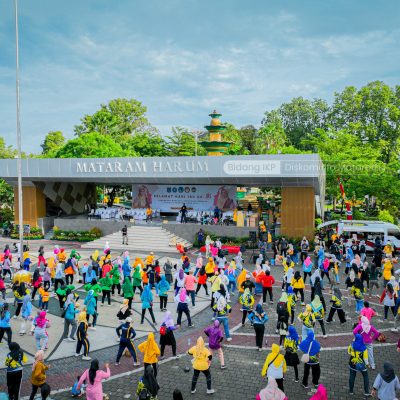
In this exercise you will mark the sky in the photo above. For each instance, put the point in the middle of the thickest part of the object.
(183, 58)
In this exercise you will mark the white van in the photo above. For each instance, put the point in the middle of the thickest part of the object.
(365, 230)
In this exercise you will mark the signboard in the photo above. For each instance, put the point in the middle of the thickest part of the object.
(170, 198)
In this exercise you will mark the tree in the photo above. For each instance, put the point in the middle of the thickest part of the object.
(372, 113)
(182, 143)
(52, 142)
(299, 119)
(146, 145)
(249, 135)
(89, 145)
(271, 138)
(233, 135)
(120, 119)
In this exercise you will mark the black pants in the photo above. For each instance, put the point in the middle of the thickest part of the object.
(244, 315)
(352, 378)
(58, 282)
(34, 293)
(126, 345)
(284, 252)
(5, 272)
(279, 382)
(116, 285)
(303, 256)
(305, 275)
(292, 315)
(323, 273)
(34, 391)
(163, 302)
(18, 310)
(259, 330)
(296, 372)
(173, 345)
(61, 300)
(321, 322)
(151, 314)
(196, 374)
(46, 285)
(265, 290)
(340, 313)
(187, 313)
(199, 286)
(138, 287)
(386, 311)
(106, 293)
(14, 384)
(315, 371)
(155, 368)
(301, 291)
(9, 334)
(69, 279)
(83, 343)
(130, 302)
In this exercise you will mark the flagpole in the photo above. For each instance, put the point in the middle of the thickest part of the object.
(19, 160)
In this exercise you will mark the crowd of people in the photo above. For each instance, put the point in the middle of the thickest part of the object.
(329, 270)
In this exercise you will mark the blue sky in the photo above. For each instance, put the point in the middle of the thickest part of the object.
(182, 58)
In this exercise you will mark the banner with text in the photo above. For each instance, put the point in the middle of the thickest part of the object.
(169, 198)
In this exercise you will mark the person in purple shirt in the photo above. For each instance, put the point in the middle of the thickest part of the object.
(215, 337)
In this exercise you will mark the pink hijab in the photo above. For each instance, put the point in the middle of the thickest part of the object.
(182, 295)
(41, 319)
(365, 324)
(271, 391)
(321, 393)
(307, 261)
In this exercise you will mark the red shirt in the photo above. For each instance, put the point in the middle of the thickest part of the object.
(202, 279)
(267, 280)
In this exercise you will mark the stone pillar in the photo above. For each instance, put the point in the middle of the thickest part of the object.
(33, 205)
(298, 212)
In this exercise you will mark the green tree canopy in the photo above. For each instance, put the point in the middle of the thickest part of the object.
(182, 143)
(147, 145)
(52, 142)
(120, 119)
(89, 145)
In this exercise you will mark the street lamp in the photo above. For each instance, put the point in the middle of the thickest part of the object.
(19, 160)
(196, 134)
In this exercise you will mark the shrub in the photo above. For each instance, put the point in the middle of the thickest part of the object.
(76, 236)
(384, 215)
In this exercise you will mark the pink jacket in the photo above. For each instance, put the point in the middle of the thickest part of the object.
(95, 391)
(367, 337)
(190, 282)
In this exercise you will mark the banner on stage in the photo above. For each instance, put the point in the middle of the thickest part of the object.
(169, 198)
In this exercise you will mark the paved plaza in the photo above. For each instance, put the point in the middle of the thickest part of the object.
(242, 378)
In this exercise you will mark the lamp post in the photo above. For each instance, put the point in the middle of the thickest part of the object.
(196, 134)
(19, 160)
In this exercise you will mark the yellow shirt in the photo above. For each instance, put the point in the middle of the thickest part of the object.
(200, 361)
(387, 270)
(210, 267)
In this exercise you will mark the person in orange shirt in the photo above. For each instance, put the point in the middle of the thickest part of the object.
(45, 295)
(62, 256)
(145, 278)
(138, 261)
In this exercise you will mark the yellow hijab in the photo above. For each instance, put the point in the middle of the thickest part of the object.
(82, 317)
(200, 347)
(150, 347)
(274, 353)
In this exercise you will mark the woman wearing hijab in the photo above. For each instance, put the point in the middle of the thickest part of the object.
(308, 320)
(38, 378)
(298, 286)
(386, 383)
(69, 318)
(148, 385)
(201, 363)
(369, 334)
(307, 268)
(311, 347)
(291, 344)
(90, 303)
(358, 291)
(147, 303)
(202, 280)
(247, 301)
(316, 274)
(163, 287)
(150, 352)
(222, 310)
(215, 337)
(258, 318)
(36, 281)
(275, 366)
(271, 392)
(41, 322)
(14, 360)
(26, 312)
(358, 362)
(388, 300)
(167, 338)
(82, 337)
(93, 377)
(318, 291)
(5, 325)
(318, 312)
(182, 299)
(350, 283)
(337, 305)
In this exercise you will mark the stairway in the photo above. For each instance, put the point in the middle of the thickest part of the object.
(140, 238)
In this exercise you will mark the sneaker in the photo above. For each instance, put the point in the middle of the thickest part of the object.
(190, 326)
(242, 325)
(351, 393)
(304, 386)
(271, 301)
(325, 336)
(71, 339)
(136, 364)
(177, 356)
(193, 391)
(228, 339)
(77, 354)
(259, 349)
(65, 339)
(302, 303)
(86, 358)
(210, 391)
(223, 366)
(368, 394)
(161, 357)
(92, 328)
(117, 363)
(296, 380)
(101, 305)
